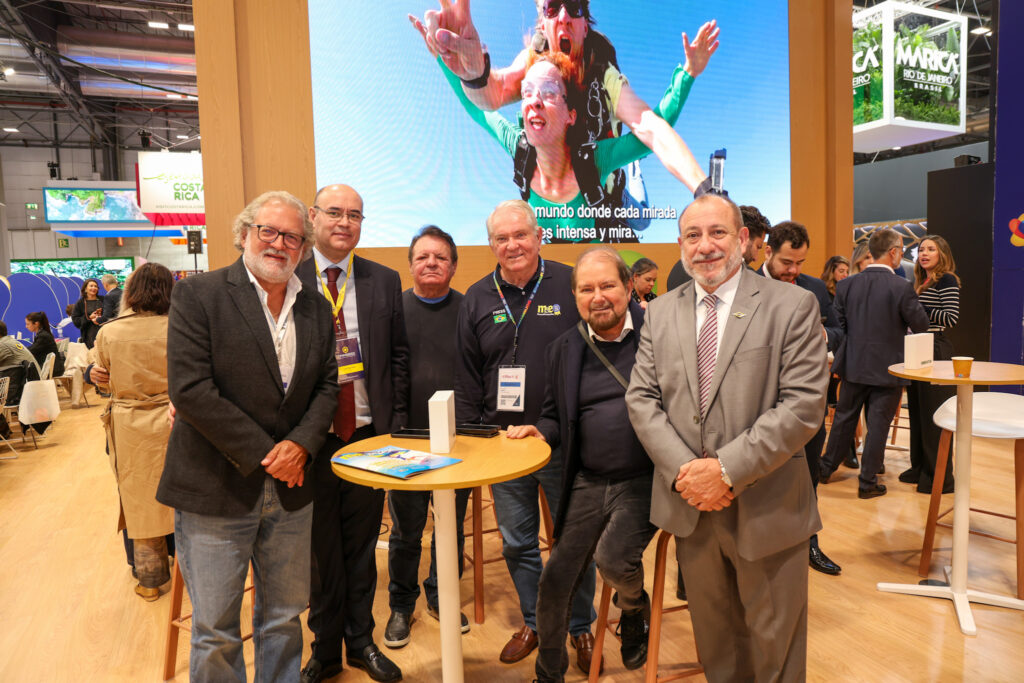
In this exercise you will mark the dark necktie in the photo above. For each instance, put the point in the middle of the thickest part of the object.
(345, 415)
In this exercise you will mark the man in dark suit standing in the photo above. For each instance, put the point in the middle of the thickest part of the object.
(785, 254)
(373, 375)
(875, 308)
(112, 299)
(606, 475)
(251, 370)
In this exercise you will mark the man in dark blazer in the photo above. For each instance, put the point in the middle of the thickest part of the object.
(729, 384)
(785, 254)
(606, 475)
(875, 308)
(251, 370)
(373, 374)
(112, 299)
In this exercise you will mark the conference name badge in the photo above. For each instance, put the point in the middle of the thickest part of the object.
(511, 388)
(350, 360)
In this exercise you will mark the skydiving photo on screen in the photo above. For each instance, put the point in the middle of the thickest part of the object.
(603, 116)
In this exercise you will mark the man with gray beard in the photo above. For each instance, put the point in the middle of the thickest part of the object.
(729, 384)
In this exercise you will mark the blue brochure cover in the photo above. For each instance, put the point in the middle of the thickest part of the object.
(394, 462)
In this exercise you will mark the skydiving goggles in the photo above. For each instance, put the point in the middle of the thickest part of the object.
(575, 8)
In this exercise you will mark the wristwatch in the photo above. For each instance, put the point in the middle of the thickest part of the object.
(725, 475)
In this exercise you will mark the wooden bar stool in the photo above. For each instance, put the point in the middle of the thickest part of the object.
(179, 621)
(654, 635)
(477, 558)
(996, 416)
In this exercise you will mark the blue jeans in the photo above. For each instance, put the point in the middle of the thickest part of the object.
(517, 508)
(214, 553)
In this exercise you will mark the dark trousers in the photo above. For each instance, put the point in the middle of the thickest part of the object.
(813, 451)
(408, 517)
(880, 405)
(346, 525)
(608, 521)
(924, 399)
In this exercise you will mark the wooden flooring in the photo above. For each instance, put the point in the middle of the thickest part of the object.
(68, 613)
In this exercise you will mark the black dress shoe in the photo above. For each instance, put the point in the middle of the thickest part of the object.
(881, 469)
(396, 633)
(851, 460)
(910, 476)
(821, 562)
(924, 486)
(873, 491)
(316, 671)
(373, 661)
(824, 475)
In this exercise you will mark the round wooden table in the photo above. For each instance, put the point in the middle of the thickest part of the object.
(484, 461)
(941, 372)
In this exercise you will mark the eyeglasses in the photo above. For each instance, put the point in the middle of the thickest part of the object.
(354, 217)
(573, 7)
(268, 234)
(548, 90)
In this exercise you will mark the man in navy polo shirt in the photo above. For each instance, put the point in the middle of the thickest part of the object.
(507, 320)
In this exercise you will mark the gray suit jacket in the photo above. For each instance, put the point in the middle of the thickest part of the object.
(767, 399)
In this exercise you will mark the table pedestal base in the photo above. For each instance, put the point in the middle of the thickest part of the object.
(448, 585)
(961, 600)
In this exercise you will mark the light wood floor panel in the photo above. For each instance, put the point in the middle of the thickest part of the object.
(67, 611)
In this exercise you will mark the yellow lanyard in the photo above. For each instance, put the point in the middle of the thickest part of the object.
(336, 305)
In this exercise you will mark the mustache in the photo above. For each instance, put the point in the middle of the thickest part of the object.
(276, 252)
(708, 257)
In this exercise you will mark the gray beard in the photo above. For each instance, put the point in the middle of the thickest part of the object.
(705, 282)
(257, 268)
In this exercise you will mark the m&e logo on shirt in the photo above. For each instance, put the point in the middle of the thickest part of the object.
(549, 310)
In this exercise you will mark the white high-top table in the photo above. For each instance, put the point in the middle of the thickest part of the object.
(941, 372)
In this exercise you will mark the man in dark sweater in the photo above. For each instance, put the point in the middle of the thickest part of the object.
(431, 310)
(606, 476)
(507, 320)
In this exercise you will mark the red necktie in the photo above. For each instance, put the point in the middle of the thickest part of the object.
(345, 416)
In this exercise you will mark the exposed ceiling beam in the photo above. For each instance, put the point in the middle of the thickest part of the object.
(78, 107)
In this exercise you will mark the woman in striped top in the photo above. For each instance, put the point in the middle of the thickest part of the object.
(938, 288)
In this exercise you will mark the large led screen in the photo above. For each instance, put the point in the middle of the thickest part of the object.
(84, 268)
(390, 123)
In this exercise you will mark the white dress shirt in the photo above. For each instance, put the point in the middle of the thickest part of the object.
(282, 329)
(348, 307)
(725, 292)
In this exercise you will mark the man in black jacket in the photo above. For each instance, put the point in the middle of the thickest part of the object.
(251, 370)
(785, 254)
(112, 299)
(373, 373)
(606, 476)
(875, 308)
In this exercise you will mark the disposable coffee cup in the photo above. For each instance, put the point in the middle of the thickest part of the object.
(962, 366)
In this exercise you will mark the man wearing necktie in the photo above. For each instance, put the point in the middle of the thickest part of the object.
(729, 384)
(373, 374)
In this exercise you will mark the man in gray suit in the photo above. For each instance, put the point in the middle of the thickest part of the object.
(728, 386)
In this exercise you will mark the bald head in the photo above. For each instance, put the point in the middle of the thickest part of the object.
(337, 216)
(704, 199)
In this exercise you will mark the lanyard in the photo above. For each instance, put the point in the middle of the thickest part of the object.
(335, 305)
(512, 318)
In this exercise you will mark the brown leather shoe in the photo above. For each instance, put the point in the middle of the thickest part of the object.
(522, 643)
(584, 645)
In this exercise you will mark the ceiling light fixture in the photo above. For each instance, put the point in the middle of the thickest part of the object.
(181, 137)
(8, 71)
(159, 24)
(173, 96)
(981, 31)
(191, 97)
(186, 27)
(896, 148)
(10, 130)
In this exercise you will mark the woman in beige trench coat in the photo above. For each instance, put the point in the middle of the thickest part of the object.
(133, 350)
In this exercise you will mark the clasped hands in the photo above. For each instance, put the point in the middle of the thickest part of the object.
(699, 483)
(286, 461)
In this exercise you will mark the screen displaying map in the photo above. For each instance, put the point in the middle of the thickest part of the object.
(91, 205)
(76, 267)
